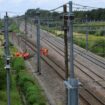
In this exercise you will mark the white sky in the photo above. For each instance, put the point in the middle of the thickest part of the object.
(21, 6)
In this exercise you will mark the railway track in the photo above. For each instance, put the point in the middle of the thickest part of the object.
(88, 55)
(76, 60)
(84, 92)
(80, 53)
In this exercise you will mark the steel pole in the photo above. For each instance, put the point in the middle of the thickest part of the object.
(31, 30)
(38, 42)
(25, 33)
(7, 57)
(8, 84)
(7, 52)
(72, 83)
(86, 35)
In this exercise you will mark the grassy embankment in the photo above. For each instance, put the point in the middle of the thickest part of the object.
(15, 97)
(96, 44)
(95, 28)
(27, 84)
(96, 37)
(21, 82)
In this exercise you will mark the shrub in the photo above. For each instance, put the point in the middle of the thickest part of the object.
(27, 85)
(92, 32)
(99, 47)
(2, 74)
(80, 42)
(18, 64)
(100, 33)
(30, 89)
(32, 99)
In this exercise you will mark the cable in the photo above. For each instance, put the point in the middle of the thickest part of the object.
(84, 6)
(59, 7)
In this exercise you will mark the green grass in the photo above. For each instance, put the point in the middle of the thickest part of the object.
(91, 24)
(97, 28)
(96, 44)
(90, 37)
(96, 38)
(21, 81)
(14, 28)
(15, 97)
(54, 31)
(30, 87)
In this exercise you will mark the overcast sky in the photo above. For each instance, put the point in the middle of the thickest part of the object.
(22, 5)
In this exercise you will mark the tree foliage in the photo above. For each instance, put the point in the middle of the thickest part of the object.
(93, 15)
(45, 14)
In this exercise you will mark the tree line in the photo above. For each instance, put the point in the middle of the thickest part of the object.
(91, 15)
(44, 14)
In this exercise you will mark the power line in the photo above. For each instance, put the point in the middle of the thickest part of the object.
(58, 7)
(84, 6)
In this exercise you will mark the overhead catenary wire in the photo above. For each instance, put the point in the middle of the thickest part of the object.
(84, 6)
(58, 7)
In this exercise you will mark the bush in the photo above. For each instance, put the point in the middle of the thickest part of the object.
(27, 85)
(92, 32)
(14, 28)
(100, 33)
(80, 42)
(32, 99)
(18, 64)
(2, 74)
(30, 89)
(99, 47)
